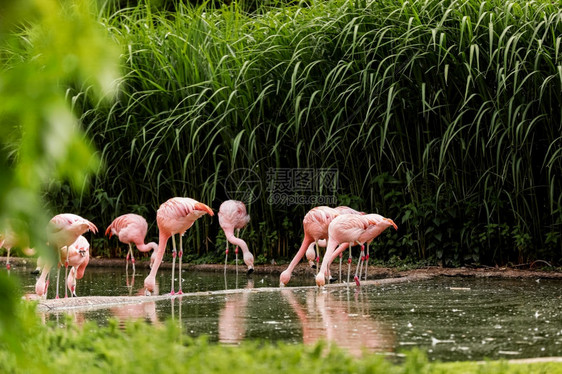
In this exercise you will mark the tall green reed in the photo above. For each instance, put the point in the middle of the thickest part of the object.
(444, 115)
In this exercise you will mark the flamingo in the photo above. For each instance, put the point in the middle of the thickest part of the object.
(8, 240)
(131, 228)
(78, 255)
(311, 252)
(62, 231)
(232, 215)
(323, 243)
(174, 216)
(315, 224)
(346, 230)
(369, 235)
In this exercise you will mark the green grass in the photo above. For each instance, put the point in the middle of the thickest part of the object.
(443, 115)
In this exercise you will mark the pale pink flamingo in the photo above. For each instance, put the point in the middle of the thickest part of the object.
(131, 229)
(232, 215)
(311, 254)
(311, 251)
(346, 230)
(343, 210)
(368, 237)
(174, 216)
(315, 224)
(78, 254)
(9, 239)
(62, 230)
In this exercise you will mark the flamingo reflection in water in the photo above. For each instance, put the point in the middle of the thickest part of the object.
(339, 320)
(138, 312)
(232, 317)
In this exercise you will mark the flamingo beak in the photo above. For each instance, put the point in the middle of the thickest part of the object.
(392, 223)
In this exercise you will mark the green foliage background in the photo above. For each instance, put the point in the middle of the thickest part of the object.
(443, 115)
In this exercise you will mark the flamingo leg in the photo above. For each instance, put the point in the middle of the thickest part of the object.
(132, 283)
(362, 263)
(58, 276)
(236, 253)
(225, 258)
(367, 261)
(47, 281)
(174, 252)
(349, 263)
(341, 258)
(180, 292)
(129, 284)
(73, 289)
(317, 257)
(127, 263)
(236, 250)
(66, 286)
(8, 267)
(66, 273)
(132, 256)
(359, 265)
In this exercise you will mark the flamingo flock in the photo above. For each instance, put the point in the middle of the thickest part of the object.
(333, 228)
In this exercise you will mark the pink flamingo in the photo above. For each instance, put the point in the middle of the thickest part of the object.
(232, 215)
(78, 255)
(369, 235)
(62, 231)
(315, 224)
(174, 216)
(131, 228)
(346, 230)
(311, 251)
(8, 240)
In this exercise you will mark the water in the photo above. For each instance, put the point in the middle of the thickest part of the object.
(449, 318)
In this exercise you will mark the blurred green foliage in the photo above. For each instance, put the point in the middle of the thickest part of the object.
(45, 46)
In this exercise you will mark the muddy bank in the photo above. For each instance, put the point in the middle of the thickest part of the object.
(303, 269)
(374, 271)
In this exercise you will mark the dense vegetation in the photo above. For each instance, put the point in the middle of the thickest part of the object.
(443, 115)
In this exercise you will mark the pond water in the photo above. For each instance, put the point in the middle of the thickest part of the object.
(449, 318)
